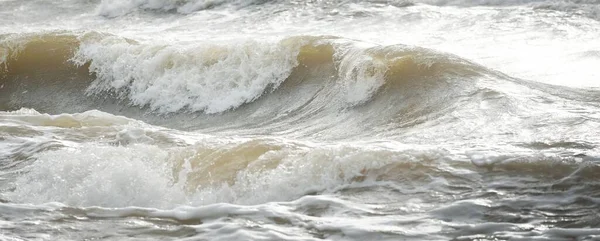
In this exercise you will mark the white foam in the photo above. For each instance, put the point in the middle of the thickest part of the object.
(3, 59)
(202, 77)
(486, 159)
(90, 175)
(361, 73)
(94, 174)
(10, 47)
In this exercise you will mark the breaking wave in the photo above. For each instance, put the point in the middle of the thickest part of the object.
(305, 85)
(233, 171)
(214, 78)
(299, 120)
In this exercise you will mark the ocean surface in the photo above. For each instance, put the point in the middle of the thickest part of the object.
(299, 120)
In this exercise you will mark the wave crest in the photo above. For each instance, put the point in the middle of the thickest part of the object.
(301, 79)
(204, 77)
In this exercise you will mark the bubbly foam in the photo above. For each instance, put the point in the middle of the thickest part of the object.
(203, 77)
(361, 73)
(93, 175)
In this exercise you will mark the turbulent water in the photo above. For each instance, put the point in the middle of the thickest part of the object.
(299, 120)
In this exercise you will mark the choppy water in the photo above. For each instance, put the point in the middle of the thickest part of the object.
(299, 120)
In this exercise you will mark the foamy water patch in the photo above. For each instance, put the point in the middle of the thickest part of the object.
(361, 73)
(252, 172)
(204, 77)
(10, 46)
(90, 175)
(3, 59)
